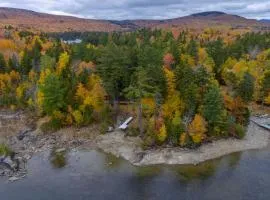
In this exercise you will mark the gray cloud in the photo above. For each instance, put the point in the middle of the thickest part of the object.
(142, 9)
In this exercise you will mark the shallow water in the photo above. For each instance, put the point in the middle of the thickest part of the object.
(94, 175)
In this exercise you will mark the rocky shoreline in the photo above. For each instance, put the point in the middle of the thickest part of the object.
(26, 139)
(129, 148)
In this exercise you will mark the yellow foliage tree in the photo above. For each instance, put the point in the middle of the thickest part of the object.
(78, 116)
(197, 129)
(188, 59)
(205, 60)
(267, 100)
(173, 103)
(149, 106)
(88, 66)
(92, 94)
(32, 76)
(162, 134)
(228, 102)
(62, 63)
(40, 99)
(183, 139)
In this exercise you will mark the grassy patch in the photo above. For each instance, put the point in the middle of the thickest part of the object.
(4, 150)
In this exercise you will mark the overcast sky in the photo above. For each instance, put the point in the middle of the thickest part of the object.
(142, 9)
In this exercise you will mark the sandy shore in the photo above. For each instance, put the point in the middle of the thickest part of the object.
(129, 148)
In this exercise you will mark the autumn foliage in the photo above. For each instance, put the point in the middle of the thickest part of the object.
(182, 89)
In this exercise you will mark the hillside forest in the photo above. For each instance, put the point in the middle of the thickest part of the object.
(182, 89)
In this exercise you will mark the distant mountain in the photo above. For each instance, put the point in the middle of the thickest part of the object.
(208, 14)
(265, 20)
(25, 19)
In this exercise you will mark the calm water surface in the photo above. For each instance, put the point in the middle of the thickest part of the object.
(94, 175)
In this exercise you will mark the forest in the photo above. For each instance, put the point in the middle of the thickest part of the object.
(183, 89)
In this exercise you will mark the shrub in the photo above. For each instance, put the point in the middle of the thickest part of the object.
(4, 150)
(103, 128)
(239, 131)
(162, 134)
(78, 117)
(52, 126)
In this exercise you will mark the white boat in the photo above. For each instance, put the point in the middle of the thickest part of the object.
(125, 124)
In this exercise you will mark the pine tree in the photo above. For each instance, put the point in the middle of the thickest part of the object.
(266, 84)
(246, 87)
(3, 65)
(192, 49)
(36, 52)
(54, 93)
(26, 63)
(218, 52)
(213, 106)
(13, 63)
(139, 90)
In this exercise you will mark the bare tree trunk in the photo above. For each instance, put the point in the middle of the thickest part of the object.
(140, 121)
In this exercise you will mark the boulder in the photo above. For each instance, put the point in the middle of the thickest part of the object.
(62, 150)
(12, 179)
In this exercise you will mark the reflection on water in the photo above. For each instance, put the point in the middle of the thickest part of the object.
(204, 170)
(58, 159)
(234, 159)
(148, 171)
(94, 175)
(201, 171)
(112, 162)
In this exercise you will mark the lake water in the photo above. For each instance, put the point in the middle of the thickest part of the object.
(94, 175)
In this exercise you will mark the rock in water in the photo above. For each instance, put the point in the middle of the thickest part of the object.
(12, 179)
(27, 157)
(62, 150)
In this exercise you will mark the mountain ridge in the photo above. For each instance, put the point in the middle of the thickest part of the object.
(27, 19)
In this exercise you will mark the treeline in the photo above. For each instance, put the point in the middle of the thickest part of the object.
(183, 88)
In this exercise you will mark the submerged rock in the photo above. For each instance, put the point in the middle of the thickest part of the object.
(62, 150)
(12, 179)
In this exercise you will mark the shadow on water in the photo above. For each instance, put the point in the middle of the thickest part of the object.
(148, 171)
(58, 159)
(234, 159)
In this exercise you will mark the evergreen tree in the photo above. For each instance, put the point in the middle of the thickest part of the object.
(213, 106)
(47, 62)
(192, 49)
(266, 84)
(26, 63)
(13, 63)
(140, 89)
(246, 87)
(3, 65)
(114, 68)
(55, 93)
(218, 52)
(36, 54)
(186, 84)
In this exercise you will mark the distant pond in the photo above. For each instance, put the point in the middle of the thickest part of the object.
(94, 175)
